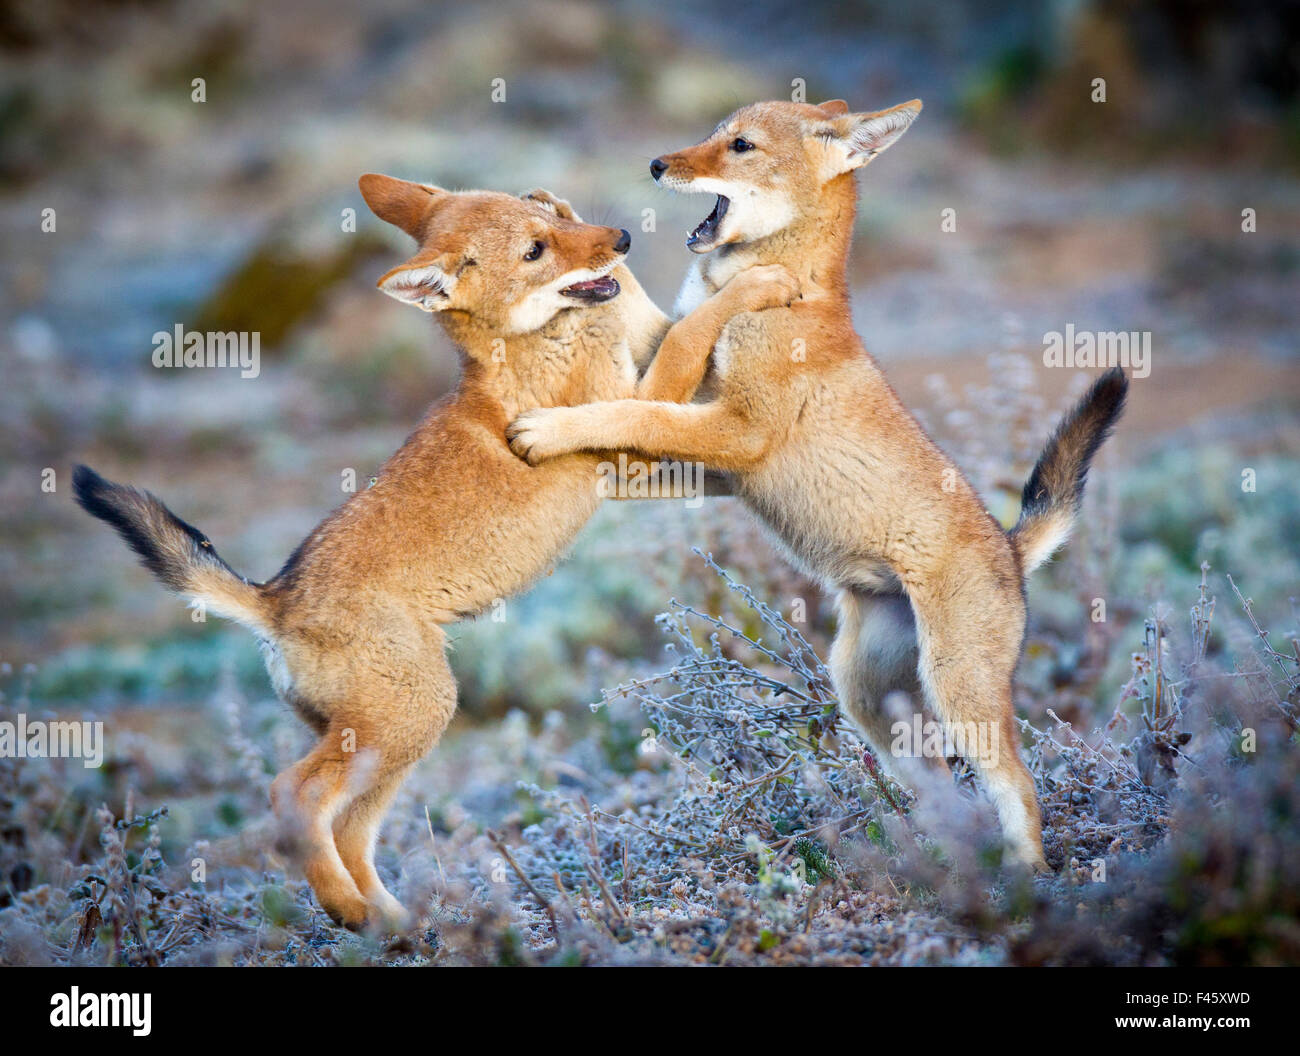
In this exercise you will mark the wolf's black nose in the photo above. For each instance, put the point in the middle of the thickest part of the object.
(624, 242)
(658, 167)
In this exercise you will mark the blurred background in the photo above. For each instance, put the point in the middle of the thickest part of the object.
(229, 214)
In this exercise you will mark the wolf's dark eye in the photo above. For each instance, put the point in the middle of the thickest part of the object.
(535, 252)
(741, 145)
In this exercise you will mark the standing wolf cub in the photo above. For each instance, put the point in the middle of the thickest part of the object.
(543, 313)
(930, 588)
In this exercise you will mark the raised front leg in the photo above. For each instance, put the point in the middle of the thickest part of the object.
(711, 433)
(682, 359)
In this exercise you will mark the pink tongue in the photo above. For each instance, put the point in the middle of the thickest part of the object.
(603, 283)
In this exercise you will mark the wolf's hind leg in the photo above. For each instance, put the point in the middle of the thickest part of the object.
(970, 642)
(306, 798)
(404, 714)
(355, 831)
(873, 663)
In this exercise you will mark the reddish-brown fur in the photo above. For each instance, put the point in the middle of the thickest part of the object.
(820, 447)
(352, 627)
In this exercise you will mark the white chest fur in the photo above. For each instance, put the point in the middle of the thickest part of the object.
(694, 292)
(707, 275)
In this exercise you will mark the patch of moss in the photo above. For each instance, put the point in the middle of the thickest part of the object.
(272, 290)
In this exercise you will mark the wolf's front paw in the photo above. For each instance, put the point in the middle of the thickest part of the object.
(535, 435)
(763, 286)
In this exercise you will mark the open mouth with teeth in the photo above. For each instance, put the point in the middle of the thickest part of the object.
(707, 229)
(593, 291)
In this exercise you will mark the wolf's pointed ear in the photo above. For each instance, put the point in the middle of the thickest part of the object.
(834, 107)
(549, 202)
(400, 202)
(420, 282)
(857, 138)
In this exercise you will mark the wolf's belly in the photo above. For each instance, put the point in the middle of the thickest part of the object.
(828, 524)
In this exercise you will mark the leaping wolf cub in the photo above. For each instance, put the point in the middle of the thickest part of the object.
(544, 313)
(930, 588)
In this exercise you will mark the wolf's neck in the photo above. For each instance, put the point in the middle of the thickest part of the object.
(516, 371)
(815, 247)
(580, 355)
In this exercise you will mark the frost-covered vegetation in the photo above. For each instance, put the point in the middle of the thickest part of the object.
(717, 810)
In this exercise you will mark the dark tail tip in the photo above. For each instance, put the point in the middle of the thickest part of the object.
(1099, 410)
(1108, 394)
(1062, 470)
(91, 490)
(137, 517)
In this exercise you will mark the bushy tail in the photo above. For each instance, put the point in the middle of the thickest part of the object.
(1050, 501)
(177, 553)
